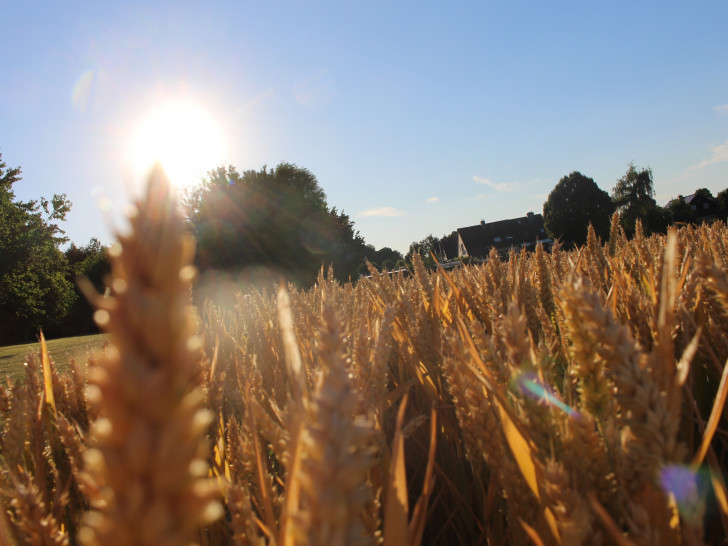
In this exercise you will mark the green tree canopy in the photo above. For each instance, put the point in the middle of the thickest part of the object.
(277, 219)
(680, 211)
(425, 248)
(722, 198)
(574, 203)
(384, 259)
(34, 290)
(449, 246)
(91, 263)
(634, 197)
(386, 254)
(705, 193)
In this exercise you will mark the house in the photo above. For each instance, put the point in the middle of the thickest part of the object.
(517, 233)
(705, 208)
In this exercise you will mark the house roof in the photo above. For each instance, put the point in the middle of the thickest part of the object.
(502, 234)
(690, 198)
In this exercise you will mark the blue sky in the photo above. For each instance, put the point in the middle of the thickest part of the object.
(416, 117)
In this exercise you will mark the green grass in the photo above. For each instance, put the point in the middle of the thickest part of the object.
(13, 356)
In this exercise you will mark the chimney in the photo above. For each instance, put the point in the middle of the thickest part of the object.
(482, 224)
(529, 214)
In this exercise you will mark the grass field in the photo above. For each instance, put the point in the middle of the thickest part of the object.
(13, 356)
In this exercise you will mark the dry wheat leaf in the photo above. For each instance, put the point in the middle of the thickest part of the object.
(47, 379)
(397, 508)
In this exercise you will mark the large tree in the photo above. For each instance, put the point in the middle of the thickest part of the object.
(634, 197)
(274, 218)
(34, 290)
(574, 203)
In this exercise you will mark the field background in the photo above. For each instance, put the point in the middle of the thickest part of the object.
(552, 398)
(12, 357)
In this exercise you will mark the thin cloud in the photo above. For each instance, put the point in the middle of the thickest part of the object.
(718, 154)
(721, 109)
(500, 187)
(433, 199)
(382, 211)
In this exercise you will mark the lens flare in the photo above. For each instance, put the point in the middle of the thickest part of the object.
(684, 484)
(81, 92)
(317, 235)
(316, 91)
(102, 201)
(530, 385)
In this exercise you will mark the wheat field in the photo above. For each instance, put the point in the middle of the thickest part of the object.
(551, 398)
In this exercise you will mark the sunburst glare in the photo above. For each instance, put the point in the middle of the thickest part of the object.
(183, 137)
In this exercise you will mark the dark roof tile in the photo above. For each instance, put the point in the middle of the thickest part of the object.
(502, 234)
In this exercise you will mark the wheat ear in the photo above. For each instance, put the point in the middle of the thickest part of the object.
(148, 450)
(336, 450)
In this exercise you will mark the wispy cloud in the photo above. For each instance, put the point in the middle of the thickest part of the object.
(433, 199)
(497, 186)
(382, 211)
(721, 109)
(718, 154)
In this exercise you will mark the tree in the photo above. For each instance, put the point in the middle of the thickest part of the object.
(449, 246)
(349, 250)
(425, 248)
(91, 263)
(722, 198)
(705, 193)
(385, 259)
(574, 203)
(634, 197)
(680, 211)
(34, 290)
(277, 219)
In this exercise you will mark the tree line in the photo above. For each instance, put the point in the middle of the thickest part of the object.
(37, 288)
(274, 220)
(577, 202)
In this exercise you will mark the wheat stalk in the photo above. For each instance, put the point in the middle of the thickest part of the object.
(148, 449)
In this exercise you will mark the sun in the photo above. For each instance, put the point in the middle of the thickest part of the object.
(183, 137)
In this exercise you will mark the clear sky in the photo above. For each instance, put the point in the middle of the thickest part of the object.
(416, 117)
